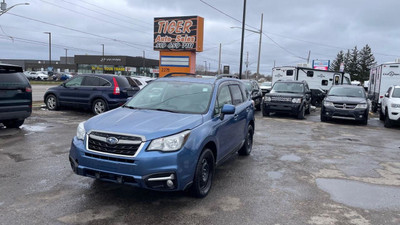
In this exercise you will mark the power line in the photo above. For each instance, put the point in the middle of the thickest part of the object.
(83, 32)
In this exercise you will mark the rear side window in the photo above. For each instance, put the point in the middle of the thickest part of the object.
(13, 79)
(310, 73)
(104, 83)
(237, 96)
(122, 82)
(90, 81)
(132, 82)
(289, 73)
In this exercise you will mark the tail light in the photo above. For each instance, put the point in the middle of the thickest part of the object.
(381, 96)
(28, 89)
(116, 87)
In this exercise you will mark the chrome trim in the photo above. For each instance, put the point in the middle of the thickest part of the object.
(119, 141)
(343, 118)
(112, 154)
(172, 177)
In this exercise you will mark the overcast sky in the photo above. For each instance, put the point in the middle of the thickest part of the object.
(291, 28)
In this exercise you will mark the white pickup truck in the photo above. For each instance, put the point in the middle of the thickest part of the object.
(390, 109)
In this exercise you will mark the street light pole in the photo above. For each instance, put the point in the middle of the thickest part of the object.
(259, 47)
(49, 33)
(4, 8)
(242, 42)
(103, 56)
(66, 55)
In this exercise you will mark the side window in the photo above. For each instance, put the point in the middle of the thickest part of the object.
(90, 81)
(104, 83)
(132, 82)
(224, 97)
(310, 73)
(137, 81)
(237, 96)
(388, 91)
(289, 73)
(324, 82)
(74, 82)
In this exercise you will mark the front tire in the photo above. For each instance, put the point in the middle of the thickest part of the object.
(308, 109)
(248, 143)
(388, 121)
(52, 102)
(301, 114)
(204, 174)
(99, 106)
(265, 112)
(13, 123)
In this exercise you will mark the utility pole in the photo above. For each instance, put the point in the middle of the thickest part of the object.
(205, 67)
(308, 58)
(49, 33)
(144, 61)
(66, 55)
(219, 60)
(247, 66)
(242, 42)
(103, 56)
(209, 66)
(259, 47)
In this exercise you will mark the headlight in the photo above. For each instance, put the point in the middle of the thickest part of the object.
(296, 100)
(267, 99)
(80, 131)
(361, 106)
(395, 105)
(170, 143)
(328, 104)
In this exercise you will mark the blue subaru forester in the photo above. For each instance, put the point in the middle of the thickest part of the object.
(168, 137)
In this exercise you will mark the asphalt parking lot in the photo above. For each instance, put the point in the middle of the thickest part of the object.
(299, 172)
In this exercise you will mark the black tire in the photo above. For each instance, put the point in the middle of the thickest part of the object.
(324, 118)
(374, 107)
(265, 112)
(301, 113)
(364, 121)
(99, 106)
(51, 102)
(248, 143)
(258, 107)
(388, 121)
(13, 123)
(381, 116)
(308, 110)
(204, 174)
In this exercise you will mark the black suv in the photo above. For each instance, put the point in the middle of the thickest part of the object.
(98, 92)
(292, 97)
(15, 96)
(254, 91)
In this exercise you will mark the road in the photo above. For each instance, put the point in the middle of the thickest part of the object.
(38, 91)
(299, 172)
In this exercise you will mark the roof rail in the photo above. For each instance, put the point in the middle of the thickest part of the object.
(227, 76)
(179, 74)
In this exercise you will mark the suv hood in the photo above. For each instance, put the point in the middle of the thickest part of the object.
(149, 123)
(347, 100)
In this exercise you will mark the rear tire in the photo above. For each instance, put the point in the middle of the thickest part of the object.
(308, 109)
(52, 102)
(248, 143)
(265, 112)
(301, 114)
(99, 106)
(13, 123)
(204, 174)
(381, 116)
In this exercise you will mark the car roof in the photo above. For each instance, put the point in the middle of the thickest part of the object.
(291, 81)
(193, 79)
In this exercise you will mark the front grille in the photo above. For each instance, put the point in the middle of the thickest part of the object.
(344, 106)
(125, 145)
(281, 99)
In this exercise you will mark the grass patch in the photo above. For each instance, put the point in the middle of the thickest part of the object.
(53, 83)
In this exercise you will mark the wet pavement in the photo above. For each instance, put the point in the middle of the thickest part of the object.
(299, 172)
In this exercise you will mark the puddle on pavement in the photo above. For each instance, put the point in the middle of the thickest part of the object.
(275, 175)
(361, 195)
(291, 157)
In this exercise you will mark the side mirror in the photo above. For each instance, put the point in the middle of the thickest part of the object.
(387, 95)
(226, 110)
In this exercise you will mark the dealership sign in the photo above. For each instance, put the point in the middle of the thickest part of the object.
(179, 33)
(321, 64)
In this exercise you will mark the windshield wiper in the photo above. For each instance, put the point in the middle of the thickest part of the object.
(165, 110)
(130, 107)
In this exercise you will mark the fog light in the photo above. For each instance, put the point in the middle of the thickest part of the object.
(360, 116)
(170, 184)
(326, 113)
(119, 180)
(97, 175)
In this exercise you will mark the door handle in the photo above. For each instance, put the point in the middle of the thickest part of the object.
(247, 109)
(235, 117)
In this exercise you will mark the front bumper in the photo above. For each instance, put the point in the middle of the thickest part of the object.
(347, 114)
(149, 169)
(394, 114)
(286, 107)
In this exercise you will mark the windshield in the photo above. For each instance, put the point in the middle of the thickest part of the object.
(347, 92)
(248, 86)
(287, 87)
(396, 93)
(266, 84)
(179, 97)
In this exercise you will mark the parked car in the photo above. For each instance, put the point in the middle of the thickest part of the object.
(293, 97)
(170, 142)
(15, 96)
(28, 75)
(40, 75)
(254, 91)
(139, 81)
(94, 91)
(345, 102)
(266, 87)
(390, 110)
